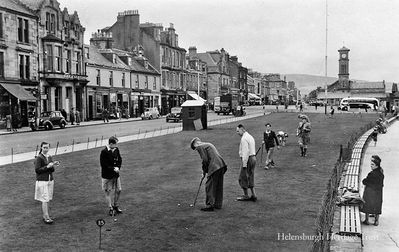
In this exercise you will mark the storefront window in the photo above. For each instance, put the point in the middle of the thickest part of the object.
(99, 103)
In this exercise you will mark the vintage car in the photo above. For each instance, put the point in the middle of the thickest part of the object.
(150, 113)
(174, 115)
(47, 120)
(356, 105)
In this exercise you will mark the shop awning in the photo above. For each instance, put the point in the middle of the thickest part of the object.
(196, 97)
(253, 96)
(19, 92)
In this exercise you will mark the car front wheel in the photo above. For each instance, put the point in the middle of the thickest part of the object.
(62, 125)
(48, 126)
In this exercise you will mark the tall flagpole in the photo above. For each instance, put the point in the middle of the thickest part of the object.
(325, 92)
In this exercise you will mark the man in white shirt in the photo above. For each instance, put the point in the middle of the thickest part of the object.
(248, 159)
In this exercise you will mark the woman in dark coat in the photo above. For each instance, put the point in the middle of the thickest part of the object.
(373, 191)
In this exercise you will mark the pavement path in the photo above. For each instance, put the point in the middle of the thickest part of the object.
(384, 237)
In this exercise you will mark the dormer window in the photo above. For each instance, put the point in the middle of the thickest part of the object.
(114, 58)
(129, 61)
(146, 64)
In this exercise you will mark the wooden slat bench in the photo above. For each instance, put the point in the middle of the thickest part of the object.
(351, 182)
(356, 155)
(353, 169)
(350, 221)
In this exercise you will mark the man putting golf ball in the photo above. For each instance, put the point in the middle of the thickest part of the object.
(214, 167)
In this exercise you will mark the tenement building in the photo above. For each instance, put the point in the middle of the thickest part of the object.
(161, 47)
(119, 81)
(19, 50)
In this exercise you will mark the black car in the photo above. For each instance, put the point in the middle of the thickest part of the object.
(174, 115)
(48, 120)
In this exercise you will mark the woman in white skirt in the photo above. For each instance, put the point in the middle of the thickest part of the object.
(44, 168)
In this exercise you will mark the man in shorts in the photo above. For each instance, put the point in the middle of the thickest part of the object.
(111, 162)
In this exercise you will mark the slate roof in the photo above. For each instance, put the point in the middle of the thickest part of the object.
(16, 6)
(32, 4)
(368, 85)
(96, 58)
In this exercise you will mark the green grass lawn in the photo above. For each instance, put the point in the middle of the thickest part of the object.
(160, 173)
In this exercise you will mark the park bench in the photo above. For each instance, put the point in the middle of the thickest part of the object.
(350, 221)
(351, 182)
(356, 155)
(353, 169)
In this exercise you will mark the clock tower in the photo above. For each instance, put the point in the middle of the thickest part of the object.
(343, 71)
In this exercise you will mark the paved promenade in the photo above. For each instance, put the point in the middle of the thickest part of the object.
(384, 237)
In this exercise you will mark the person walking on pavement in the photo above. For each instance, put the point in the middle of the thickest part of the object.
(64, 113)
(105, 115)
(269, 138)
(77, 117)
(44, 168)
(372, 194)
(248, 163)
(72, 116)
(111, 162)
(214, 167)
(303, 133)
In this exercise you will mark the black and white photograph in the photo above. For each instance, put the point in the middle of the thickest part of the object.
(214, 125)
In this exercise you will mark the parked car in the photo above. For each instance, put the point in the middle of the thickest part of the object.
(47, 120)
(150, 113)
(174, 115)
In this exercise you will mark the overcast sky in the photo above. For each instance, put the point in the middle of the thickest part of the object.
(272, 36)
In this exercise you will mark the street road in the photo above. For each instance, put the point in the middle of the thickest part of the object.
(27, 142)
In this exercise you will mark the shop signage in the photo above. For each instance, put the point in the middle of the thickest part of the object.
(74, 77)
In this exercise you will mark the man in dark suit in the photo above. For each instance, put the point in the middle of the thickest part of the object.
(111, 162)
(213, 165)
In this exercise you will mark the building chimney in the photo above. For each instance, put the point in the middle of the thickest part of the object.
(192, 51)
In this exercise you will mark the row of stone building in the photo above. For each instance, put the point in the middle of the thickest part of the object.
(45, 65)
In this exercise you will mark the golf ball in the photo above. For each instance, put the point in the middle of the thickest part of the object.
(115, 219)
(178, 204)
(191, 205)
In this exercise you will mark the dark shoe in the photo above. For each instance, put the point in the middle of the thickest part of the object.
(254, 198)
(365, 222)
(48, 221)
(117, 209)
(111, 212)
(376, 223)
(208, 209)
(266, 167)
(244, 198)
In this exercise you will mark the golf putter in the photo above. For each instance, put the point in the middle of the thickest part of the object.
(199, 187)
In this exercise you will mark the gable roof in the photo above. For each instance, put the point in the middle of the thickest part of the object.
(206, 57)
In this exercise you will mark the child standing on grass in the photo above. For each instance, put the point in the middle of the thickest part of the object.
(44, 168)
(269, 138)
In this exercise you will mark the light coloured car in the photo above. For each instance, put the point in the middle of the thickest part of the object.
(150, 113)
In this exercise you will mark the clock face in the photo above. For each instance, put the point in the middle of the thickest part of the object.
(343, 55)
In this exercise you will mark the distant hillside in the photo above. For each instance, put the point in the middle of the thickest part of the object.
(306, 82)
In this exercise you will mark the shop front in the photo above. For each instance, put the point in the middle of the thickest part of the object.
(16, 103)
(170, 99)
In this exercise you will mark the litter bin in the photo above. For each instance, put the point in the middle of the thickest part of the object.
(194, 115)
